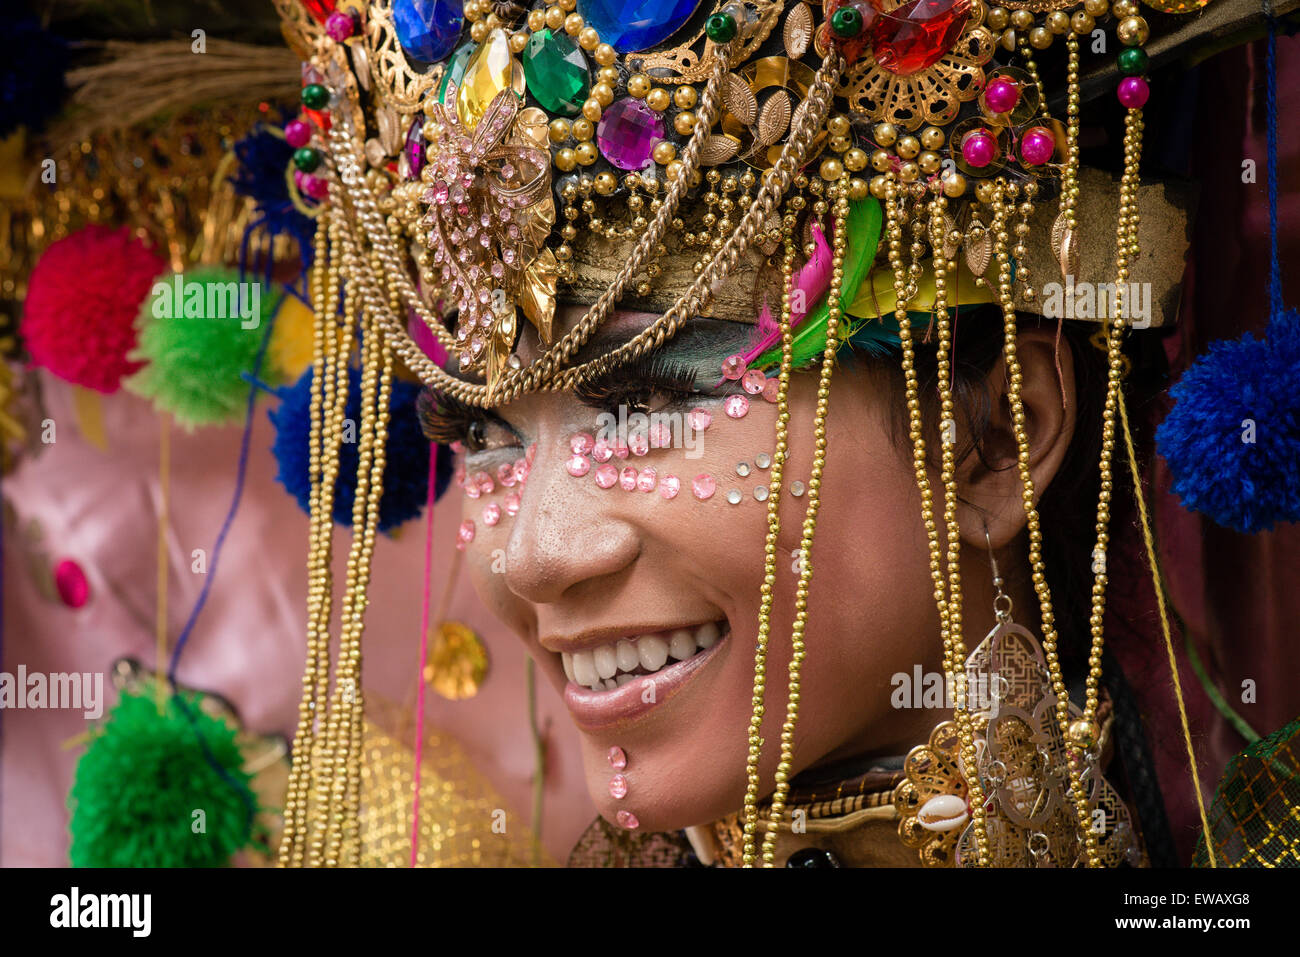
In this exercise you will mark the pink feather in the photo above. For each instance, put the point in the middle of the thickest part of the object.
(812, 280)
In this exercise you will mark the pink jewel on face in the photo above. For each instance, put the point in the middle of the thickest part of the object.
(506, 474)
(703, 486)
(471, 489)
(753, 382)
(670, 486)
(606, 476)
(627, 479)
(638, 443)
(622, 451)
(577, 466)
(647, 480)
(618, 787)
(617, 758)
(531, 454)
(733, 367)
(700, 419)
(771, 390)
(491, 513)
(736, 406)
(602, 451)
(512, 503)
(522, 468)
(466, 534)
(484, 483)
(581, 443)
(627, 819)
(661, 437)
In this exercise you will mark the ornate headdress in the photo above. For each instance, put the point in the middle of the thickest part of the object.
(475, 165)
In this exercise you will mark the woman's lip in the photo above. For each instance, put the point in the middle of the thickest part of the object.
(602, 710)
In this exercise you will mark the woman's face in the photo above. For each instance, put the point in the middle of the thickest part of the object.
(643, 610)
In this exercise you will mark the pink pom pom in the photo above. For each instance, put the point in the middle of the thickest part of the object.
(82, 300)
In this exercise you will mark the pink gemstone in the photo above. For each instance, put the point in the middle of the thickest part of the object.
(484, 482)
(577, 466)
(979, 149)
(733, 367)
(506, 474)
(622, 451)
(638, 443)
(1037, 146)
(628, 820)
(491, 513)
(703, 486)
(71, 583)
(617, 758)
(670, 486)
(339, 26)
(647, 480)
(522, 468)
(627, 479)
(1133, 92)
(602, 451)
(772, 390)
(466, 534)
(606, 476)
(618, 787)
(917, 34)
(736, 406)
(582, 443)
(512, 503)
(700, 419)
(1002, 95)
(661, 437)
(471, 489)
(753, 382)
(298, 134)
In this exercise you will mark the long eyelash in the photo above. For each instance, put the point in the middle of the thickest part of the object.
(445, 418)
(634, 383)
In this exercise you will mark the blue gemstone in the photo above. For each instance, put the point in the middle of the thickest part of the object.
(630, 25)
(428, 29)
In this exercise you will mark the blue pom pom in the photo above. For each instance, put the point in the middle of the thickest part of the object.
(263, 158)
(1232, 440)
(32, 64)
(406, 475)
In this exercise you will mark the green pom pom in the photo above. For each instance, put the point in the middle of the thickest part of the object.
(143, 778)
(200, 333)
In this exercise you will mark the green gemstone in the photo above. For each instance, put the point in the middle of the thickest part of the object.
(720, 27)
(306, 159)
(1132, 61)
(315, 96)
(455, 69)
(846, 22)
(556, 72)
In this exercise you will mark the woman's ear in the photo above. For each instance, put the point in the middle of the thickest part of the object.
(990, 485)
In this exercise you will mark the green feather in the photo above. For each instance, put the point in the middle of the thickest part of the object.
(863, 239)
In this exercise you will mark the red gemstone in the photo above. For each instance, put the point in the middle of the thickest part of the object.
(319, 9)
(917, 34)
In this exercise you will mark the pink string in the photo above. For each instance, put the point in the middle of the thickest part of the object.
(424, 652)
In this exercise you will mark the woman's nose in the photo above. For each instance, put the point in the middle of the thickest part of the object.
(568, 534)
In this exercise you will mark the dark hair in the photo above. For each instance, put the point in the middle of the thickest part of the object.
(1067, 505)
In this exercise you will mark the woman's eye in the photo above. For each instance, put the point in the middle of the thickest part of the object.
(486, 435)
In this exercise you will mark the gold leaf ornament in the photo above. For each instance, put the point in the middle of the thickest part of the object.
(537, 294)
(798, 31)
(774, 119)
(739, 99)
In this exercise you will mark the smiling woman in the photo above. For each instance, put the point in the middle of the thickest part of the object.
(762, 408)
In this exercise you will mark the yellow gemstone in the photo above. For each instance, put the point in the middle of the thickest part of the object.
(490, 70)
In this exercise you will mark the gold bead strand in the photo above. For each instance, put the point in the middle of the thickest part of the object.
(755, 742)
(835, 309)
(1070, 174)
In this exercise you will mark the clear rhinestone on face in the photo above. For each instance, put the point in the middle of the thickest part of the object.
(760, 493)
(734, 496)
(742, 469)
(796, 489)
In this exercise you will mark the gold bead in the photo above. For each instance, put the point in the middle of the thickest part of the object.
(932, 138)
(583, 129)
(1133, 31)
(907, 147)
(591, 110)
(1123, 8)
(858, 188)
(658, 99)
(1022, 19)
(684, 123)
(478, 31)
(664, 152)
(673, 169)
(685, 96)
(567, 5)
(603, 94)
(998, 18)
(554, 18)
(838, 125)
(878, 186)
(909, 172)
(1058, 21)
(855, 160)
(1008, 39)
(565, 160)
(1082, 22)
(518, 41)
(831, 169)
(1040, 38)
(985, 191)
(536, 20)
(885, 134)
(882, 161)
(585, 153)
(638, 85)
(605, 55)
(574, 23)
(589, 39)
(929, 162)
(608, 74)
(1083, 734)
(559, 130)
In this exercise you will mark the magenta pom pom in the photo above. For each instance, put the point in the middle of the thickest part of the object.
(82, 300)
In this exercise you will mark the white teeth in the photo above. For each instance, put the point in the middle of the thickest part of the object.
(707, 635)
(653, 652)
(628, 659)
(624, 679)
(681, 644)
(605, 660)
(567, 659)
(584, 669)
